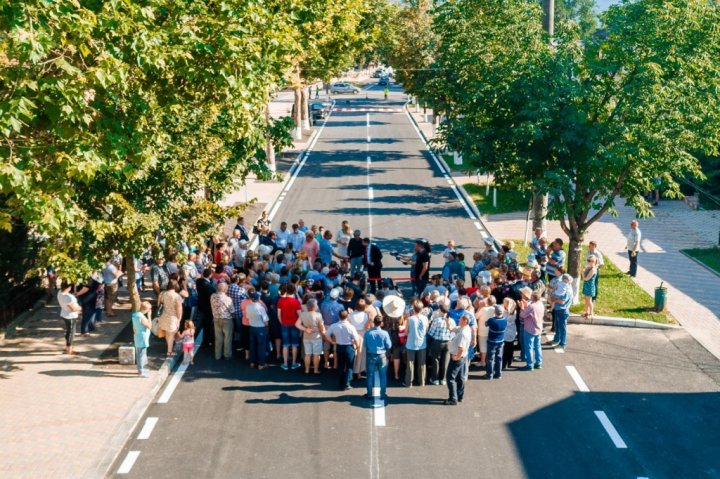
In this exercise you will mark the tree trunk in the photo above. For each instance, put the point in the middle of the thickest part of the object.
(540, 204)
(133, 292)
(269, 147)
(297, 131)
(574, 262)
(305, 121)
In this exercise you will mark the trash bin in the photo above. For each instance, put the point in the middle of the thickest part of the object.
(660, 298)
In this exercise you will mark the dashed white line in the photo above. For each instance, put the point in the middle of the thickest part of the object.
(177, 375)
(575, 375)
(371, 195)
(148, 427)
(128, 462)
(378, 403)
(478, 225)
(610, 429)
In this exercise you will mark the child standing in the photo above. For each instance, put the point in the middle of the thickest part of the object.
(510, 333)
(188, 341)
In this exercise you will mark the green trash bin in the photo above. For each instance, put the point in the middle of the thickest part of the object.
(660, 298)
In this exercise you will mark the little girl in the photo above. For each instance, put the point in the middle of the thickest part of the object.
(188, 341)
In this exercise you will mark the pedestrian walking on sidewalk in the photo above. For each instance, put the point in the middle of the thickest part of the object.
(141, 322)
(69, 312)
(633, 246)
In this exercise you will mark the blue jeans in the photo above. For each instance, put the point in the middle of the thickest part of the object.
(346, 359)
(258, 345)
(455, 380)
(561, 319)
(141, 359)
(376, 362)
(290, 337)
(532, 345)
(88, 320)
(356, 264)
(493, 364)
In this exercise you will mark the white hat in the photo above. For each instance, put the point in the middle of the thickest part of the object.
(335, 293)
(394, 306)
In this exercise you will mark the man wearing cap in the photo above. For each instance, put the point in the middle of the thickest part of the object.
(377, 346)
(458, 349)
(258, 320)
(495, 340)
(356, 252)
(330, 312)
(345, 338)
(532, 314)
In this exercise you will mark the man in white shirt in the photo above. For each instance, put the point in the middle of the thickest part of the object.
(447, 253)
(458, 349)
(297, 238)
(633, 246)
(110, 274)
(282, 236)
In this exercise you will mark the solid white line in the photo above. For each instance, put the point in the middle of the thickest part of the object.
(274, 210)
(367, 119)
(178, 374)
(577, 378)
(378, 404)
(371, 195)
(128, 462)
(148, 427)
(478, 225)
(440, 167)
(610, 429)
(369, 160)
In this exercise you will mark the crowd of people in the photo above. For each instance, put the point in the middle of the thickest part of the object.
(308, 298)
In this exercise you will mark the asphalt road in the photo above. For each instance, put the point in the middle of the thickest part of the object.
(657, 391)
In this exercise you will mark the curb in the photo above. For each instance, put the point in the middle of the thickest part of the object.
(700, 263)
(621, 322)
(115, 446)
(10, 329)
(446, 169)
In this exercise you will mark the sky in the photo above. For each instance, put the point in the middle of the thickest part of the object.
(602, 5)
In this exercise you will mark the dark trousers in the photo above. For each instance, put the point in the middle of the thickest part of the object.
(455, 380)
(88, 320)
(374, 276)
(346, 358)
(69, 331)
(493, 365)
(633, 263)
(258, 345)
(597, 278)
(439, 360)
(420, 285)
(507, 355)
(208, 327)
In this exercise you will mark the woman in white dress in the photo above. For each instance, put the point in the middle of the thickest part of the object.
(343, 239)
(358, 318)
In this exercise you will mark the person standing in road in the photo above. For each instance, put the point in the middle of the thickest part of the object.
(633, 246)
(458, 349)
(421, 267)
(222, 311)
(377, 346)
(373, 263)
(345, 338)
(288, 310)
(311, 324)
(532, 314)
(69, 312)
(141, 322)
(356, 253)
(416, 345)
(258, 320)
(562, 297)
(440, 335)
(496, 337)
(386, 92)
(205, 289)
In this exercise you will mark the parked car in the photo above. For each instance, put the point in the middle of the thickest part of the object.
(318, 111)
(344, 88)
(384, 81)
(378, 73)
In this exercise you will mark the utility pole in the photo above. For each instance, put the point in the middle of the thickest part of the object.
(540, 202)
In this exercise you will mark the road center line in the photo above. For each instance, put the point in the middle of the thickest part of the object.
(128, 462)
(178, 374)
(148, 427)
(378, 403)
(610, 429)
(371, 196)
(575, 375)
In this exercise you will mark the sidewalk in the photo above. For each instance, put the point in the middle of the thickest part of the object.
(693, 293)
(63, 416)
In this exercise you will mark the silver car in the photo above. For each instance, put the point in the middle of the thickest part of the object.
(344, 88)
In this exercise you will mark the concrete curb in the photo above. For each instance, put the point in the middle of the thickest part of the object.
(700, 263)
(114, 447)
(620, 322)
(10, 329)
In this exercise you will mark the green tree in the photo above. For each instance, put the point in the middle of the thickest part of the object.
(580, 12)
(586, 122)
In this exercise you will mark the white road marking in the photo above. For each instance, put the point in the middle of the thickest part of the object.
(371, 195)
(148, 427)
(440, 167)
(128, 462)
(378, 403)
(559, 350)
(610, 429)
(575, 375)
(178, 374)
(478, 225)
(274, 210)
(369, 160)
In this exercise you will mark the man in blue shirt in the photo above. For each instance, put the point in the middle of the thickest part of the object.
(326, 248)
(556, 259)
(377, 345)
(330, 312)
(495, 341)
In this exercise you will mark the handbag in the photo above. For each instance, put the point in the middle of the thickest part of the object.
(155, 326)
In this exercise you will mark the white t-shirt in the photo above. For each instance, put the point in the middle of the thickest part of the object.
(358, 319)
(461, 340)
(342, 240)
(65, 300)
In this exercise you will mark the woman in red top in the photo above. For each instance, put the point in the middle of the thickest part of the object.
(289, 309)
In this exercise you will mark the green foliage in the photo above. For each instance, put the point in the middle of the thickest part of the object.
(580, 12)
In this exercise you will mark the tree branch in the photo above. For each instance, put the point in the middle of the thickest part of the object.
(608, 202)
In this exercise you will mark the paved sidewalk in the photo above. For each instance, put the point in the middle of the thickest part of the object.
(693, 293)
(61, 415)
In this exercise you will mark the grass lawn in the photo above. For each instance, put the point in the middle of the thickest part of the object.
(710, 257)
(619, 295)
(508, 201)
